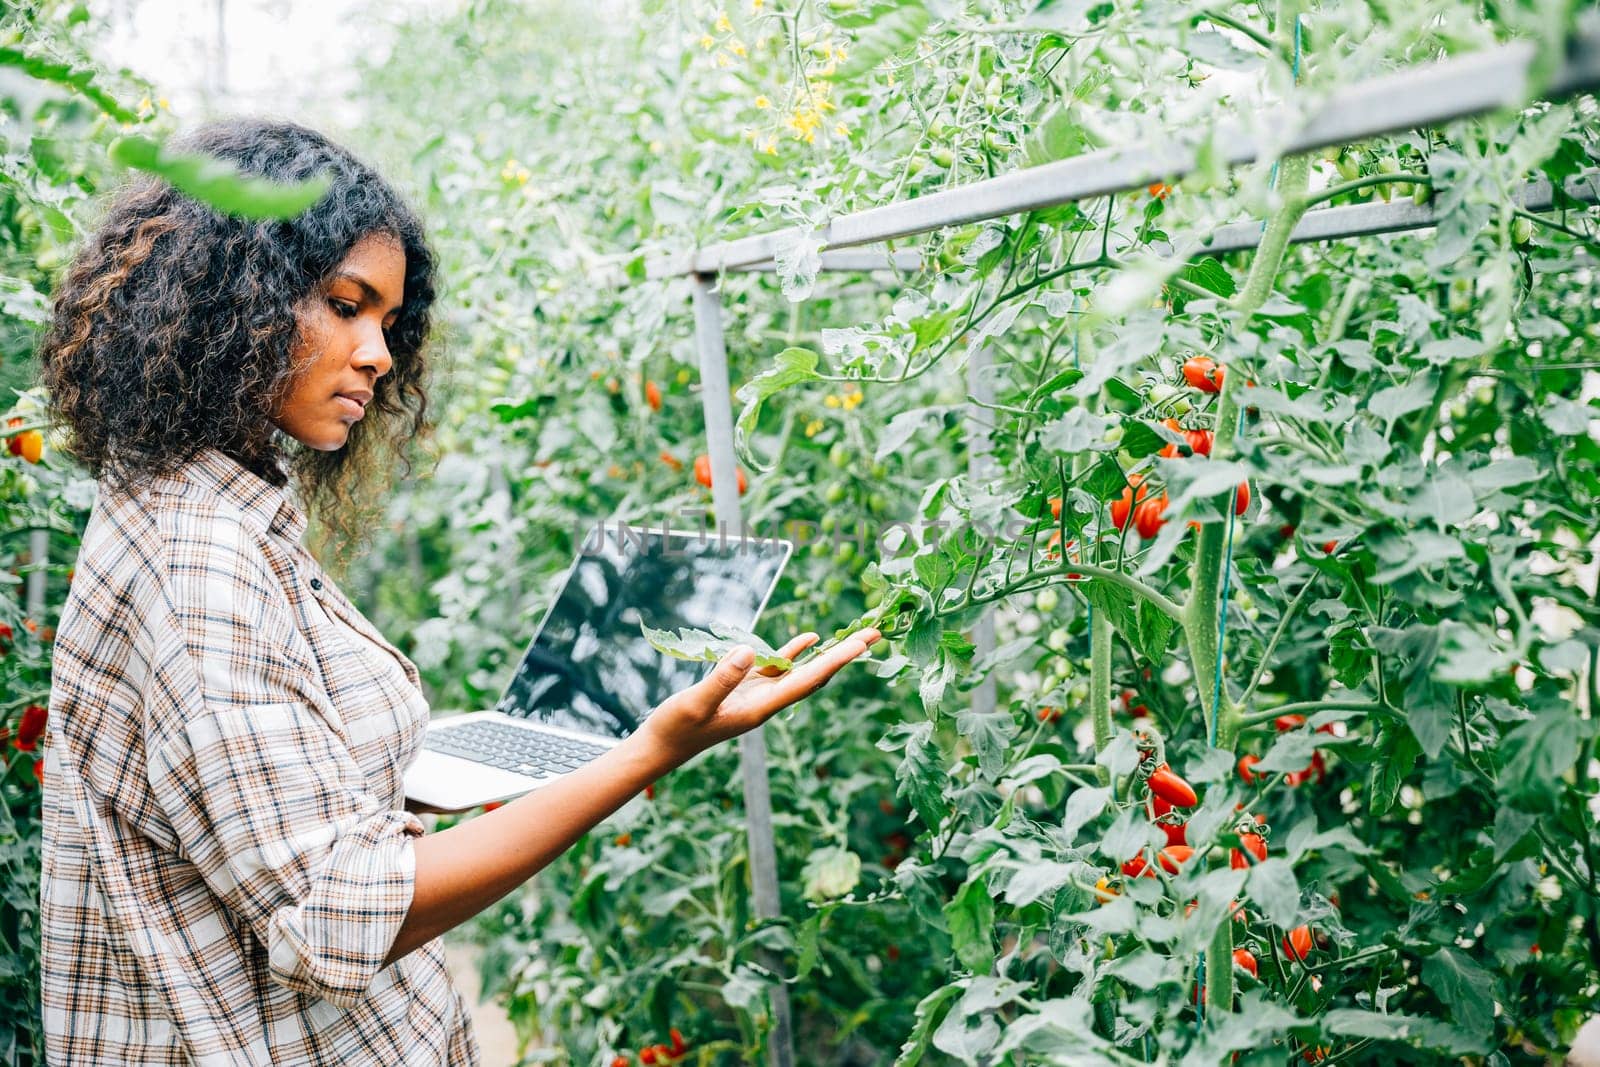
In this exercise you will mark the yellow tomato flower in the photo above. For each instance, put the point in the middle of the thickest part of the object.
(762, 103)
(707, 42)
(841, 129)
(830, 401)
(737, 48)
(723, 61)
(723, 24)
(814, 427)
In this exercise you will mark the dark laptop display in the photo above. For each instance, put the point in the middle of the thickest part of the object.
(591, 669)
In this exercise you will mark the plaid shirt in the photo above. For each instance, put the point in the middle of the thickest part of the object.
(226, 858)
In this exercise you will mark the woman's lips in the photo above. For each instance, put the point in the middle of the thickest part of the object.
(351, 406)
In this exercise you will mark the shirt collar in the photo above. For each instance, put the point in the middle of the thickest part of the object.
(219, 473)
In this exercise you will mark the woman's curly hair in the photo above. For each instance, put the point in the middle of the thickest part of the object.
(174, 328)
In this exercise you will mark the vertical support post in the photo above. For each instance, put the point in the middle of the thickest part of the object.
(980, 386)
(39, 562)
(716, 403)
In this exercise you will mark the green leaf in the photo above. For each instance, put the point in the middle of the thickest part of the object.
(1396, 755)
(1394, 401)
(792, 366)
(1057, 136)
(1208, 274)
(1466, 987)
(692, 644)
(920, 775)
(892, 32)
(970, 916)
(1275, 891)
(931, 1010)
(80, 80)
(1537, 754)
(218, 183)
(1140, 439)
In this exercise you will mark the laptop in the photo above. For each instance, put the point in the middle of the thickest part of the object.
(589, 678)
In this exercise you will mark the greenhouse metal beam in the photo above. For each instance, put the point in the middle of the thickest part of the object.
(717, 407)
(1326, 224)
(1427, 96)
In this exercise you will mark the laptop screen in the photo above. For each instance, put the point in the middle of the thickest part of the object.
(590, 668)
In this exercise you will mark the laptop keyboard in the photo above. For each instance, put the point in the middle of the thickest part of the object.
(531, 752)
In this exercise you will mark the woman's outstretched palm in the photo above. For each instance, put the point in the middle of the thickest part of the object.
(733, 699)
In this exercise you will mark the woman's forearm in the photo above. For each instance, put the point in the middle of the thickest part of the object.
(463, 870)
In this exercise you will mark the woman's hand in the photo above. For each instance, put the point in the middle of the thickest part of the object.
(732, 699)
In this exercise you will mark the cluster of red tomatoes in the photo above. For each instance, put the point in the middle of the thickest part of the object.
(1318, 766)
(656, 1054)
(29, 730)
(29, 444)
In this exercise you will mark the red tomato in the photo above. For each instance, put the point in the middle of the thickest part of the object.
(1055, 507)
(1297, 944)
(1245, 764)
(678, 1046)
(1255, 844)
(1202, 373)
(647, 1056)
(1244, 958)
(1176, 834)
(670, 460)
(1171, 858)
(1160, 806)
(1285, 723)
(1328, 547)
(1149, 516)
(702, 472)
(31, 727)
(1159, 190)
(652, 395)
(1124, 504)
(1241, 501)
(620, 1061)
(1172, 788)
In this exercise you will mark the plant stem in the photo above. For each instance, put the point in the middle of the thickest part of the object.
(1100, 685)
(1256, 718)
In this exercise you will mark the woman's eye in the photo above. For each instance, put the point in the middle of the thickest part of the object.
(345, 309)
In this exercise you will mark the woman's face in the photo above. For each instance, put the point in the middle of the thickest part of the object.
(342, 348)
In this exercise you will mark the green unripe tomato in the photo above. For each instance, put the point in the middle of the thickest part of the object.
(873, 598)
(685, 376)
(802, 592)
(833, 587)
(879, 471)
(992, 141)
(1460, 300)
(940, 130)
(1349, 166)
(1047, 601)
(1521, 231)
(942, 156)
(1244, 600)
(845, 552)
(877, 502)
(1182, 406)
(1058, 639)
(820, 549)
(838, 455)
(1160, 393)
(1066, 668)
(830, 522)
(1114, 434)
(834, 493)
(915, 165)
(1421, 194)
(1078, 693)
(1484, 395)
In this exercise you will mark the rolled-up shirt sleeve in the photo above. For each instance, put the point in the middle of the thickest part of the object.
(255, 775)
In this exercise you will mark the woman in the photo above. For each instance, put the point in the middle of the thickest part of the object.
(229, 876)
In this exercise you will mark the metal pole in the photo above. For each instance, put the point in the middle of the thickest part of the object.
(717, 404)
(39, 561)
(980, 463)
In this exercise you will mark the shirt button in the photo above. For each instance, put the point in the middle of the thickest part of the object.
(316, 583)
